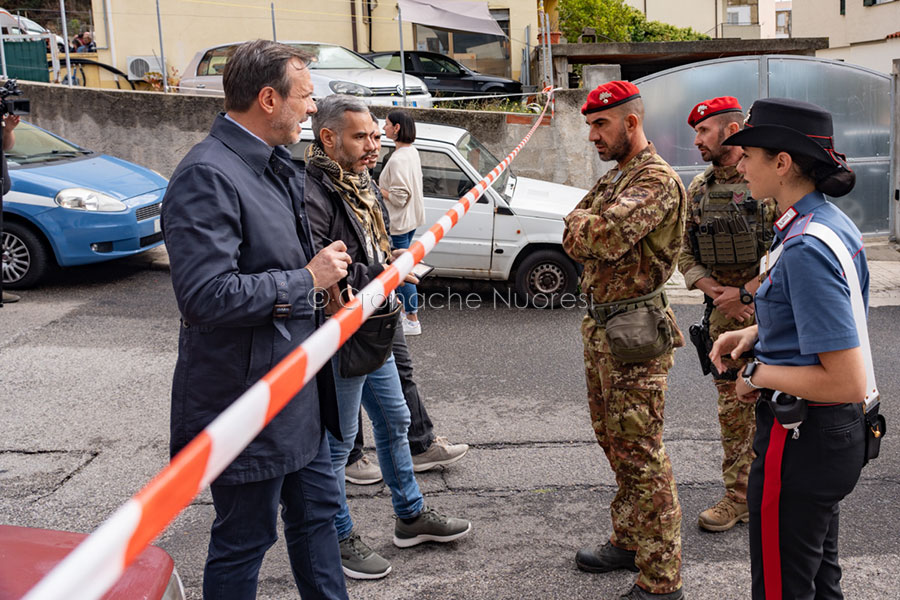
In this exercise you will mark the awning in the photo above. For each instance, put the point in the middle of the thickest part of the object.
(450, 14)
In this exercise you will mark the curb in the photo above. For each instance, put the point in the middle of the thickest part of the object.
(884, 274)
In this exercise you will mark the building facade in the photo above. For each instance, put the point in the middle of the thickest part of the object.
(862, 32)
(130, 28)
(744, 19)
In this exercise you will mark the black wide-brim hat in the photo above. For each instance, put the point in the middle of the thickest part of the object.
(795, 127)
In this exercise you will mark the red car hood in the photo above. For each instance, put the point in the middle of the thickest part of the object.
(27, 554)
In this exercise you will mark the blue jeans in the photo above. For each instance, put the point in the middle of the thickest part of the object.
(407, 291)
(245, 527)
(382, 397)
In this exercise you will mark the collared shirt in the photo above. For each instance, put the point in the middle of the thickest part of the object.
(280, 164)
(232, 119)
(803, 305)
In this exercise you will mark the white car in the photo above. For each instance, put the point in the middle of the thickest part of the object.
(513, 233)
(19, 25)
(336, 70)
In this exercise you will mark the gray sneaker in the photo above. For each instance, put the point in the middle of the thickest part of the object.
(362, 472)
(440, 452)
(429, 526)
(361, 562)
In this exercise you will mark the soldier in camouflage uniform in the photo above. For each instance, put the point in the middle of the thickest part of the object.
(627, 233)
(727, 232)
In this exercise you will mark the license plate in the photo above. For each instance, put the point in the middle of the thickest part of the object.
(157, 227)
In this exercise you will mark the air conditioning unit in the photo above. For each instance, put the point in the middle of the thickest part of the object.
(139, 66)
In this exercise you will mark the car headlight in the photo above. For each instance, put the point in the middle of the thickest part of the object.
(348, 87)
(84, 199)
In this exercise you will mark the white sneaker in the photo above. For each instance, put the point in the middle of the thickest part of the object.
(411, 327)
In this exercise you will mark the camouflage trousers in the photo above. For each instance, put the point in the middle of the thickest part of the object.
(627, 403)
(737, 420)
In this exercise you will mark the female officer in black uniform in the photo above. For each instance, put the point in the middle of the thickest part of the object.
(806, 345)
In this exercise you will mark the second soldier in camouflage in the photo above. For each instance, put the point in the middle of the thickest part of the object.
(727, 232)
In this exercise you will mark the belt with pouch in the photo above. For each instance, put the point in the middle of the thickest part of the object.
(603, 312)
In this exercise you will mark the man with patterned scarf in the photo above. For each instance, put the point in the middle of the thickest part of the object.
(342, 206)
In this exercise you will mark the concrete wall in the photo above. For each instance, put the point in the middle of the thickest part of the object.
(766, 11)
(877, 55)
(156, 130)
(743, 32)
(857, 37)
(130, 28)
(594, 75)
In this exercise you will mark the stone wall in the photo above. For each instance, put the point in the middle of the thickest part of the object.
(156, 130)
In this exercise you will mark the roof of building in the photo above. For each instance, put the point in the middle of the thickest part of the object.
(638, 59)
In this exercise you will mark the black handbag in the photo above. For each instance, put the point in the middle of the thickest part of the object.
(370, 347)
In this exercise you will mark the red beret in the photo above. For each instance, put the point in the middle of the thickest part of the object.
(609, 95)
(715, 106)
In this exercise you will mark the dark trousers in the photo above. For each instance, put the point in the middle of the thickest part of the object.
(421, 429)
(794, 493)
(245, 528)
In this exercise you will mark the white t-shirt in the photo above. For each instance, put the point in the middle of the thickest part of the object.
(402, 178)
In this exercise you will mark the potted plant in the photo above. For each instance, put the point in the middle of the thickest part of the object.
(554, 37)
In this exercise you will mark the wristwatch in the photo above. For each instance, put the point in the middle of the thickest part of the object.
(747, 376)
(746, 297)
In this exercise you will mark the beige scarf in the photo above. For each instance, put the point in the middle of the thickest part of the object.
(357, 192)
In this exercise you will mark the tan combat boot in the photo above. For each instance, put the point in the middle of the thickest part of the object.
(724, 515)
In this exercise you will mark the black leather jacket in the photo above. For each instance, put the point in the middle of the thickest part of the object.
(331, 219)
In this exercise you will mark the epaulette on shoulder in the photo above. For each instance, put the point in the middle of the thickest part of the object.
(798, 227)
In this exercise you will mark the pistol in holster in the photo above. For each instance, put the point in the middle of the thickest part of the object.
(702, 340)
(699, 334)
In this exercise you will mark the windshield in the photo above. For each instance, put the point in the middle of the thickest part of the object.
(334, 57)
(35, 145)
(484, 162)
(30, 25)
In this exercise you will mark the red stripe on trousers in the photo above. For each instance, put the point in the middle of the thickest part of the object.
(771, 552)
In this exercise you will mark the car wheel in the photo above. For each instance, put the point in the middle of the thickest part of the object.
(26, 259)
(545, 277)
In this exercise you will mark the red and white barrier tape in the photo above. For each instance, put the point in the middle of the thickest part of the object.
(98, 562)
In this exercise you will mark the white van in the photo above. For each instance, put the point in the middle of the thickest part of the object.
(513, 233)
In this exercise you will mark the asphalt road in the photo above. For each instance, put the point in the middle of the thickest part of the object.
(85, 370)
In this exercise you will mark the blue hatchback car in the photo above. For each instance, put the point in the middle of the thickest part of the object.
(71, 206)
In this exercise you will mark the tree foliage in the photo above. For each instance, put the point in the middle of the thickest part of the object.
(47, 13)
(611, 19)
(615, 21)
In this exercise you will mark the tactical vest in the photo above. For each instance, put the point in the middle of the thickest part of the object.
(730, 234)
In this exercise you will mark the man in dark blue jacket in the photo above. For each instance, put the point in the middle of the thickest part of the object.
(245, 276)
